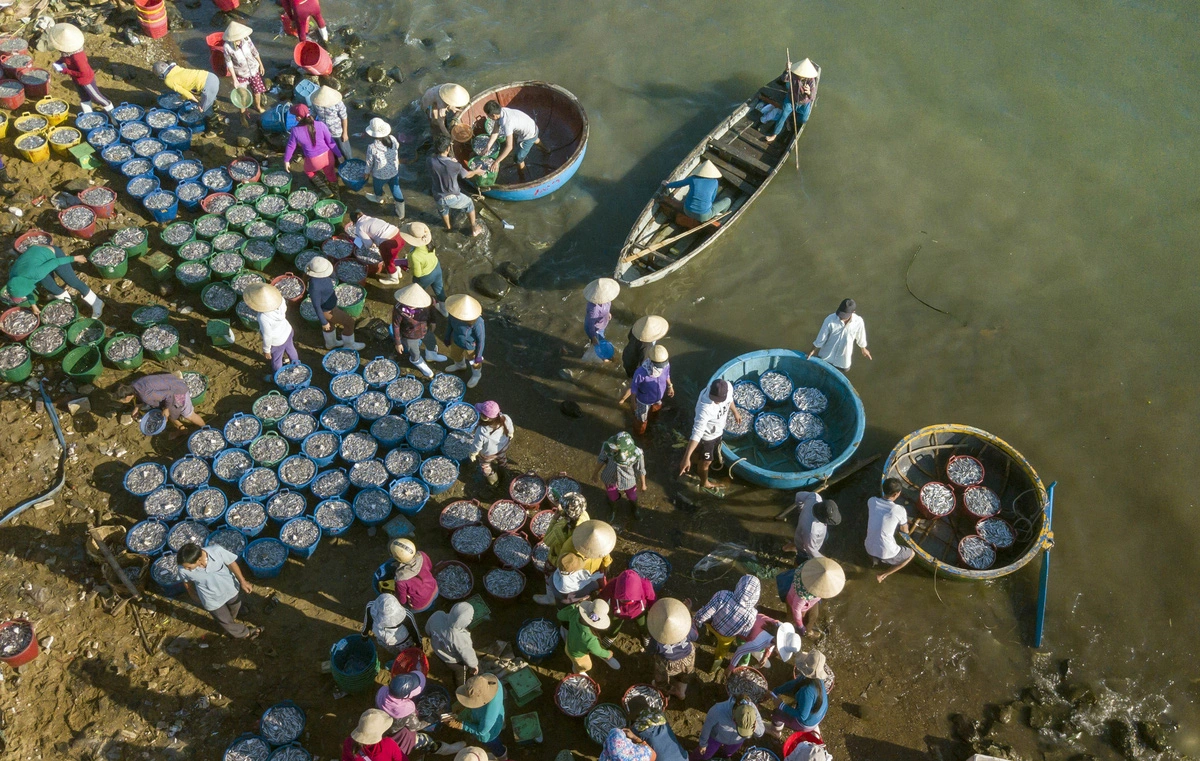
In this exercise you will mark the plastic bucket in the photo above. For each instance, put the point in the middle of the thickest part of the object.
(331, 532)
(308, 551)
(95, 201)
(354, 663)
(165, 118)
(20, 372)
(240, 181)
(216, 53)
(52, 104)
(85, 232)
(36, 86)
(191, 205)
(18, 336)
(152, 551)
(87, 121)
(322, 462)
(408, 509)
(33, 147)
(52, 353)
(137, 195)
(210, 199)
(29, 652)
(277, 119)
(63, 146)
(16, 99)
(353, 184)
(83, 364)
(270, 572)
(176, 138)
(311, 58)
(326, 202)
(303, 286)
(152, 15)
(355, 309)
(132, 363)
(163, 216)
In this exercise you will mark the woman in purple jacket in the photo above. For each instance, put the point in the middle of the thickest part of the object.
(321, 153)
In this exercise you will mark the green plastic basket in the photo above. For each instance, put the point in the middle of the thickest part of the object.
(79, 326)
(356, 309)
(178, 225)
(133, 252)
(51, 354)
(204, 303)
(274, 462)
(242, 226)
(83, 364)
(165, 354)
(132, 363)
(20, 372)
(113, 271)
(218, 217)
(196, 286)
(199, 398)
(334, 220)
(141, 319)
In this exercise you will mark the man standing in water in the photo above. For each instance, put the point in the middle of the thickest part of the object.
(839, 333)
(712, 409)
(444, 174)
(884, 516)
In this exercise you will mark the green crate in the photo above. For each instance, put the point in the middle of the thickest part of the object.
(527, 729)
(482, 611)
(219, 331)
(524, 686)
(160, 265)
(85, 155)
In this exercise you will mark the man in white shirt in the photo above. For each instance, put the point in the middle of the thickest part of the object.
(216, 583)
(838, 335)
(712, 409)
(884, 516)
(519, 129)
(816, 516)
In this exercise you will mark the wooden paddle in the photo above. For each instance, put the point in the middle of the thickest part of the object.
(651, 249)
(792, 96)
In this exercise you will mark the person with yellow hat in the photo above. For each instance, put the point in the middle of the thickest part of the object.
(367, 741)
(703, 201)
(801, 82)
(277, 334)
(328, 108)
(465, 336)
(649, 386)
(594, 540)
(727, 727)
(324, 300)
(441, 103)
(644, 334)
(818, 579)
(583, 620)
(416, 586)
(482, 699)
(68, 40)
(414, 323)
(383, 164)
(669, 624)
(243, 62)
(804, 701)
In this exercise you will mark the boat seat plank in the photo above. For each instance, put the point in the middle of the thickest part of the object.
(752, 137)
(732, 174)
(739, 155)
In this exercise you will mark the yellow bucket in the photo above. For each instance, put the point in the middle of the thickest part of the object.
(63, 147)
(3, 126)
(31, 123)
(32, 154)
(57, 105)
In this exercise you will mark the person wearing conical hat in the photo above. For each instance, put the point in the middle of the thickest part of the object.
(68, 40)
(482, 697)
(703, 200)
(277, 334)
(806, 698)
(583, 620)
(669, 623)
(441, 103)
(649, 386)
(465, 336)
(414, 325)
(712, 410)
(321, 291)
(621, 468)
(642, 336)
(383, 165)
(599, 295)
(570, 582)
(572, 513)
(818, 579)
(243, 62)
(801, 82)
(328, 108)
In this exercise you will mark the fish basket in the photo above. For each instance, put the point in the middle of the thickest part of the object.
(152, 550)
(504, 597)
(199, 398)
(267, 420)
(18, 335)
(326, 529)
(225, 453)
(32, 343)
(436, 488)
(84, 231)
(27, 653)
(465, 554)
(191, 283)
(964, 461)
(633, 691)
(298, 484)
(354, 664)
(449, 523)
(526, 650)
(83, 364)
(443, 565)
(268, 462)
(21, 371)
(246, 746)
(408, 509)
(389, 440)
(353, 173)
(747, 674)
(213, 200)
(410, 660)
(207, 520)
(333, 217)
(651, 566)
(507, 537)
(133, 250)
(132, 363)
(292, 386)
(289, 276)
(196, 435)
(539, 523)
(170, 587)
(926, 500)
(247, 531)
(455, 410)
(302, 553)
(109, 271)
(325, 460)
(576, 712)
(533, 499)
(265, 572)
(500, 523)
(417, 441)
(159, 481)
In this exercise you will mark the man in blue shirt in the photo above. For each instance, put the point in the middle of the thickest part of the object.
(651, 725)
(216, 583)
(702, 203)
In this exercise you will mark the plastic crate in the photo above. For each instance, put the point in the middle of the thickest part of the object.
(526, 728)
(399, 527)
(160, 265)
(85, 155)
(524, 686)
(219, 331)
(305, 88)
(482, 611)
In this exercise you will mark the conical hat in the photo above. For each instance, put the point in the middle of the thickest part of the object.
(463, 307)
(594, 539)
(650, 328)
(455, 96)
(414, 296)
(416, 233)
(709, 170)
(236, 31)
(805, 69)
(262, 297)
(66, 38)
(319, 266)
(326, 96)
(602, 290)
(669, 621)
(823, 577)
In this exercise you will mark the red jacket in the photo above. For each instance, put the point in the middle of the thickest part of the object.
(76, 66)
(630, 595)
(384, 750)
(418, 592)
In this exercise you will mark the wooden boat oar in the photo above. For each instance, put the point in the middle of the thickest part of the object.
(830, 483)
(792, 95)
(663, 243)
(1044, 582)
(483, 202)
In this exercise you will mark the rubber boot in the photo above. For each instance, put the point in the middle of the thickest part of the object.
(612, 512)
(324, 33)
(456, 367)
(389, 279)
(92, 300)
(639, 427)
(635, 510)
(425, 369)
(399, 209)
(331, 341)
(433, 356)
(322, 184)
(476, 374)
(348, 342)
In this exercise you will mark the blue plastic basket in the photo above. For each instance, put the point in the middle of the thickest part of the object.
(251, 531)
(336, 494)
(259, 571)
(327, 531)
(278, 119)
(652, 552)
(440, 488)
(292, 751)
(388, 441)
(766, 444)
(468, 427)
(93, 120)
(328, 359)
(193, 435)
(186, 458)
(315, 425)
(406, 510)
(125, 481)
(343, 430)
(153, 551)
(295, 406)
(163, 216)
(172, 516)
(176, 138)
(134, 116)
(137, 167)
(394, 376)
(752, 408)
(247, 737)
(192, 205)
(339, 397)
(290, 387)
(174, 119)
(322, 462)
(224, 531)
(298, 486)
(444, 399)
(372, 522)
(353, 184)
(307, 552)
(286, 704)
(305, 89)
(241, 443)
(227, 453)
(115, 154)
(241, 486)
(169, 588)
(221, 182)
(422, 427)
(207, 521)
(140, 196)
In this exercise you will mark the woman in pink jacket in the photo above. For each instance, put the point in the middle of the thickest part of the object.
(321, 153)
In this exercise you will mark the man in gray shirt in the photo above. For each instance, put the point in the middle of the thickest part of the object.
(215, 581)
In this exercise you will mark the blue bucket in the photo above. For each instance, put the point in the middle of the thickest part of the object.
(187, 458)
(192, 119)
(278, 119)
(148, 141)
(305, 89)
(162, 216)
(537, 657)
(326, 461)
(290, 387)
(171, 101)
(343, 490)
(139, 196)
(339, 397)
(247, 746)
(783, 421)
(406, 509)
(295, 403)
(239, 443)
(304, 485)
(374, 521)
(300, 731)
(396, 374)
(338, 354)
(177, 169)
(439, 488)
(221, 531)
(290, 752)
(101, 137)
(242, 488)
(115, 155)
(251, 531)
(388, 441)
(135, 115)
(468, 427)
(192, 205)
(261, 572)
(161, 114)
(344, 430)
(230, 452)
(176, 138)
(298, 439)
(218, 180)
(163, 161)
(133, 130)
(153, 551)
(168, 588)
(420, 429)
(172, 516)
(85, 122)
(157, 466)
(356, 184)
(206, 520)
(325, 530)
(306, 552)
(137, 167)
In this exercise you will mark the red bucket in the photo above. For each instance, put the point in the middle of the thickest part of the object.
(312, 58)
(100, 199)
(29, 652)
(257, 170)
(83, 232)
(225, 6)
(152, 15)
(15, 63)
(303, 287)
(17, 99)
(595, 686)
(209, 199)
(216, 51)
(36, 82)
(450, 526)
(27, 239)
(410, 660)
(14, 336)
(796, 738)
(439, 567)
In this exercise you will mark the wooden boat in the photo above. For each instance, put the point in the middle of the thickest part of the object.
(922, 456)
(845, 420)
(663, 238)
(563, 130)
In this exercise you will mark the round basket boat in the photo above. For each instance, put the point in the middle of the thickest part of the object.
(844, 420)
(921, 457)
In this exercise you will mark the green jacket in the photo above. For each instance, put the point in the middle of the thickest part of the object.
(30, 268)
(581, 638)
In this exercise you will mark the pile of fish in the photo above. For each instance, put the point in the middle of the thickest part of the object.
(528, 489)
(454, 581)
(206, 504)
(471, 540)
(334, 515)
(285, 505)
(190, 472)
(937, 498)
(368, 473)
(506, 516)
(651, 566)
(300, 533)
(331, 483)
(503, 583)
(14, 638)
(576, 695)
(964, 471)
(747, 682)
(976, 553)
(246, 515)
(231, 464)
(266, 553)
(603, 719)
(538, 638)
(186, 532)
(512, 550)
(372, 506)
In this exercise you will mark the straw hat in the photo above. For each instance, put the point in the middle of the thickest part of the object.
(319, 267)
(478, 691)
(602, 290)
(805, 69)
(570, 562)
(262, 297)
(416, 233)
(462, 307)
(472, 753)
(378, 128)
(659, 353)
(594, 539)
(371, 726)
(326, 96)
(709, 170)
(650, 328)
(787, 642)
(236, 31)
(594, 613)
(823, 577)
(66, 38)
(413, 295)
(669, 621)
(812, 665)
(454, 96)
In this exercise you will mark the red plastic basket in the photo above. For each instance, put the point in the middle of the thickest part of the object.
(957, 458)
(4, 316)
(533, 520)
(929, 512)
(303, 287)
(410, 660)
(796, 738)
(530, 505)
(31, 650)
(23, 241)
(446, 509)
(625, 698)
(212, 199)
(506, 529)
